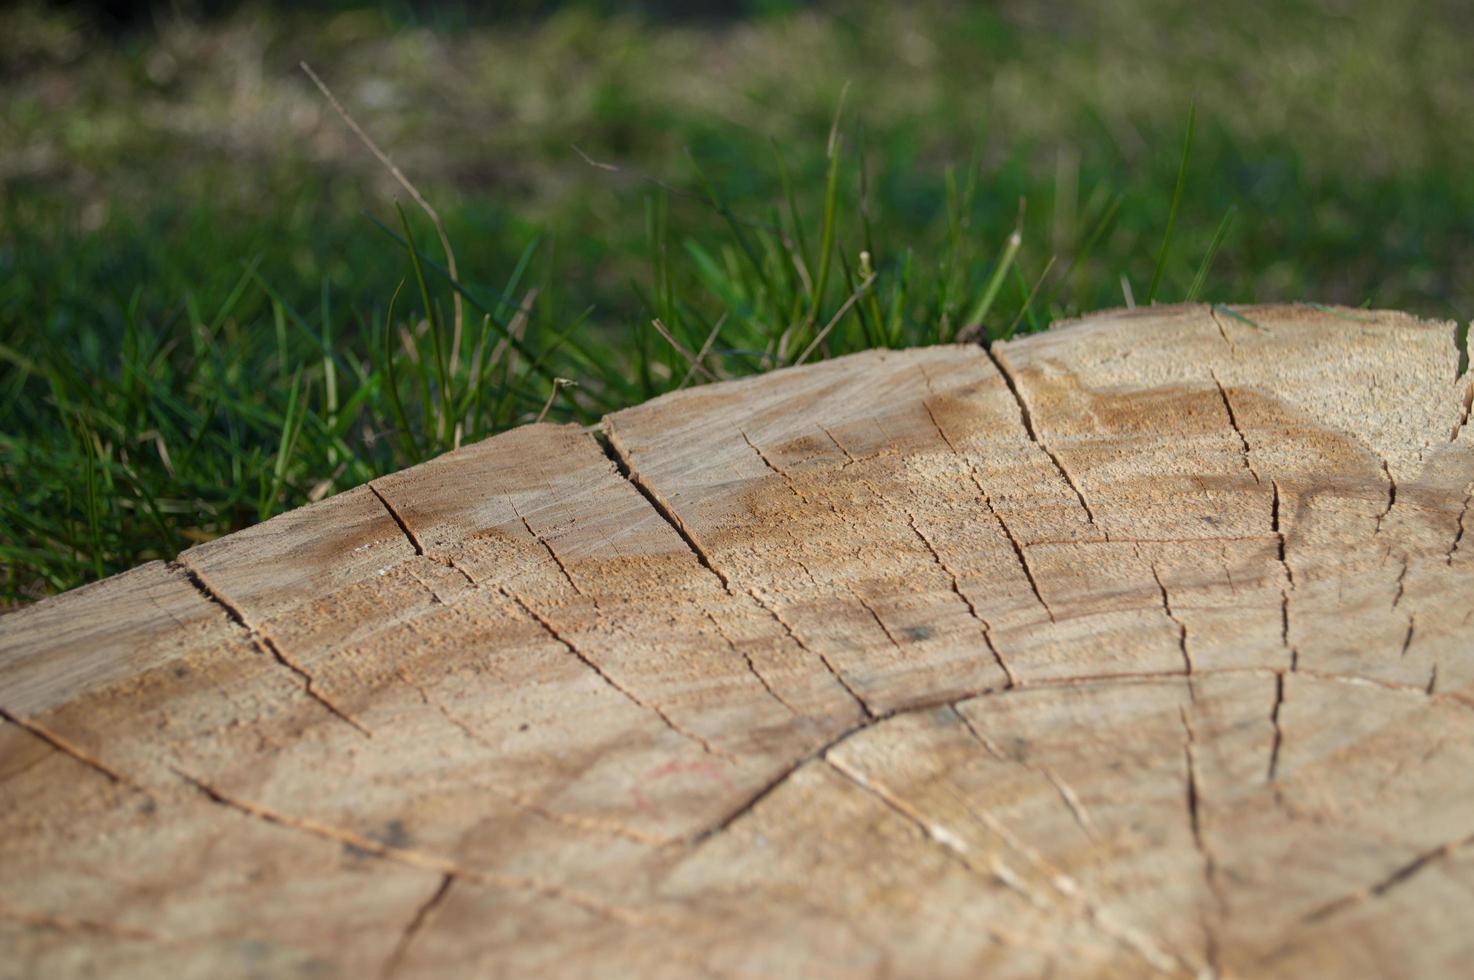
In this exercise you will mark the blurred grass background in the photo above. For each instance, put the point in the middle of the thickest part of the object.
(197, 256)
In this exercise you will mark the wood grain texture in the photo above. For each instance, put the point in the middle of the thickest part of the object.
(1142, 646)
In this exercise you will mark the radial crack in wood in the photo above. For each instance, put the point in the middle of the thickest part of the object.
(1143, 645)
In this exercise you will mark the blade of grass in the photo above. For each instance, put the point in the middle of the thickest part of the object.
(481, 306)
(995, 283)
(794, 217)
(1029, 301)
(237, 292)
(1100, 229)
(838, 315)
(509, 391)
(830, 219)
(868, 336)
(406, 432)
(329, 368)
(1187, 144)
(896, 315)
(151, 507)
(286, 448)
(94, 505)
(432, 315)
(675, 344)
(1342, 314)
(558, 385)
(736, 229)
(414, 192)
(1217, 241)
(705, 349)
(296, 318)
(1230, 311)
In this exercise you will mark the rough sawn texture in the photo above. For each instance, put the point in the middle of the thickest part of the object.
(1145, 645)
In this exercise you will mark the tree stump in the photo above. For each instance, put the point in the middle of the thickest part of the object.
(1145, 645)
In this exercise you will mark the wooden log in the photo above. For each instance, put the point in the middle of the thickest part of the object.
(1142, 646)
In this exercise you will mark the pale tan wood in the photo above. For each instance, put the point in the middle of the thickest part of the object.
(1143, 646)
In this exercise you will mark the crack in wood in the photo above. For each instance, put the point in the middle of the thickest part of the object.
(1047, 683)
(1196, 539)
(1280, 554)
(449, 562)
(865, 604)
(1398, 876)
(950, 844)
(1223, 332)
(773, 784)
(1454, 700)
(70, 749)
(986, 628)
(808, 572)
(1316, 438)
(1391, 497)
(849, 456)
(954, 849)
(1448, 557)
(1407, 638)
(789, 482)
(751, 665)
(972, 609)
(1187, 657)
(1066, 794)
(552, 631)
(416, 923)
(823, 657)
(926, 405)
(1063, 883)
(623, 465)
(435, 596)
(775, 468)
(1274, 527)
(414, 539)
(1200, 842)
(1279, 735)
(432, 702)
(409, 857)
(548, 547)
(1072, 802)
(75, 924)
(1028, 420)
(1018, 548)
(398, 519)
(266, 644)
(1468, 403)
(1233, 421)
(1057, 682)
(520, 800)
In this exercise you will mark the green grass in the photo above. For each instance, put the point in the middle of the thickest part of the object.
(211, 309)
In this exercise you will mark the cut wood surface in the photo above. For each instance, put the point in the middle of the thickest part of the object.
(1141, 646)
